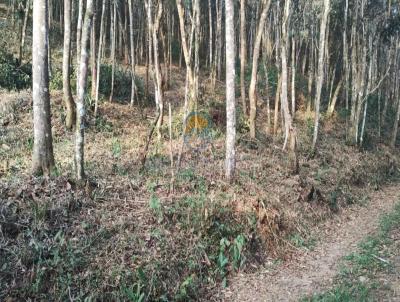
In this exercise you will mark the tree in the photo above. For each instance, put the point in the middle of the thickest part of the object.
(99, 54)
(23, 31)
(230, 90)
(320, 74)
(67, 94)
(132, 51)
(80, 102)
(187, 49)
(113, 46)
(290, 131)
(43, 158)
(243, 54)
(79, 38)
(256, 54)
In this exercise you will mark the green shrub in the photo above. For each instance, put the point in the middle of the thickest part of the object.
(13, 76)
(56, 80)
(122, 82)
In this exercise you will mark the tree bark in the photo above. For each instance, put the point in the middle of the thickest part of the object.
(80, 102)
(290, 131)
(230, 90)
(157, 69)
(113, 46)
(93, 44)
(243, 54)
(99, 55)
(67, 94)
(43, 158)
(78, 39)
(293, 73)
(133, 85)
(23, 31)
(256, 54)
(320, 79)
(332, 105)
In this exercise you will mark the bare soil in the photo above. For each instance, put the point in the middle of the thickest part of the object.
(312, 271)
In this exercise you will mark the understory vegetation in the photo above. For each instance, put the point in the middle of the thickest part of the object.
(59, 237)
(183, 166)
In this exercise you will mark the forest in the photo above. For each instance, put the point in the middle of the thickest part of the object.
(199, 150)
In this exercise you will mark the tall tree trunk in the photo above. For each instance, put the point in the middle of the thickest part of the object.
(218, 53)
(210, 37)
(322, 40)
(43, 158)
(197, 25)
(293, 73)
(113, 42)
(346, 57)
(80, 102)
(256, 54)
(99, 55)
(67, 94)
(290, 131)
(243, 54)
(230, 90)
(157, 69)
(133, 87)
(187, 50)
(48, 39)
(23, 31)
(78, 39)
(93, 44)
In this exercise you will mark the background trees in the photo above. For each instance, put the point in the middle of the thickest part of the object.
(318, 55)
(329, 70)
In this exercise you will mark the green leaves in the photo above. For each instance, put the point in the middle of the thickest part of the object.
(13, 76)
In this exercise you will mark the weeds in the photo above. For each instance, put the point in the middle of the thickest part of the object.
(13, 76)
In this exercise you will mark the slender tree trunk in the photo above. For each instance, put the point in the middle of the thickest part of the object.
(346, 57)
(197, 25)
(243, 54)
(332, 105)
(80, 102)
(133, 85)
(284, 74)
(267, 94)
(157, 69)
(256, 54)
(210, 41)
(67, 94)
(310, 72)
(48, 39)
(78, 39)
(93, 45)
(99, 55)
(113, 42)
(187, 51)
(290, 131)
(277, 101)
(230, 90)
(219, 40)
(293, 86)
(43, 158)
(322, 41)
(23, 31)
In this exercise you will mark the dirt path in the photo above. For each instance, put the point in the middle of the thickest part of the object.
(314, 271)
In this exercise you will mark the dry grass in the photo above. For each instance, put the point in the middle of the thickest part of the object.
(126, 231)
